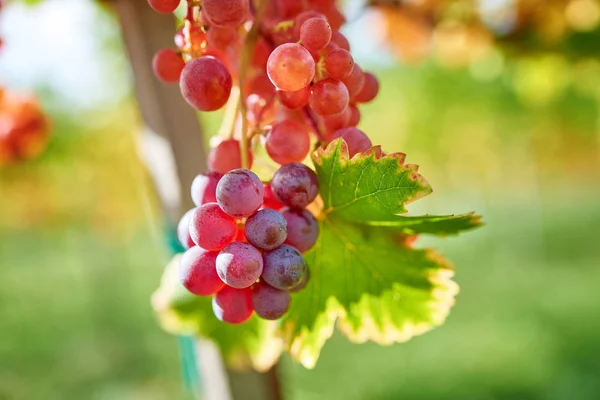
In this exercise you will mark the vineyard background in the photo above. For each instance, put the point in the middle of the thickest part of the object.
(82, 247)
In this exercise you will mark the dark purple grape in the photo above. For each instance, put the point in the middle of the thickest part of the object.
(239, 265)
(302, 284)
(302, 228)
(267, 229)
(240, 193)
(198, 272)
(233, 306)
(268, 302)
(204, 188)
(284, 267)
(183, 230)
(295, 185)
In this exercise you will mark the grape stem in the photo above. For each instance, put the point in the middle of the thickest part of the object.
(247, 52)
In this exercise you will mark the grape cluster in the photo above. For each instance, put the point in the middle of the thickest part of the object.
(245, 240)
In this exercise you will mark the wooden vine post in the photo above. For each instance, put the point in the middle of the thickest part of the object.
(174, 151)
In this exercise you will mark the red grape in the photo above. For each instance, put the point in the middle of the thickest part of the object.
(164, 6)
(227, 156)
(302, 18)
(355, 81)
(291, 67)
(284, 267)
(356, 140)
(233, 306)
(221, 37)
(183, 230)
(290, 8)
(240, 193)
(226, 13)
(340, 40)
(329, 97)
(268, 302)
(267, 229)
(339, 63)
(270, 200)
(354, 115)
(204, 188)
(295, 185)
(239, 265)
(302, 229)
(198, 272)
(294, 100)
(211, 228)
(206, 83)
(167, 65)
(288, 141)
(339, 121)
(369, 90)
(315, 34)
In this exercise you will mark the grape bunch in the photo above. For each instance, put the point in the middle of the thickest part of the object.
(245, 240)
(285, 75)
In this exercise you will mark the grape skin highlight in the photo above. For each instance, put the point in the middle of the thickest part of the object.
(291, 67)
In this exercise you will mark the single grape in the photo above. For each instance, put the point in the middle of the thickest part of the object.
(268, 302)
(270, 200)
(167, 65)
(227, 156)
(206, 83)
(354, 115)
(164, 6)
(328, 97)
(340, 40)
(294, 100)
(226, 13)
(355, 81)
(183, 230)
(288, 141)
(339, 63)
(198, 272)
(239, 265)
(211, 228)
(295, 185)
(233, 306)
(291, 67)
(356, 140)
(284, 267)
(369, 90)
(302, 284)
(302, 18)
(221, 38)
(204, 188)
(315, 34)
(240, 193)
(302, 229)
(267, 229)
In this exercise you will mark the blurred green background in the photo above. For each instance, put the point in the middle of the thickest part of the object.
(82, 246)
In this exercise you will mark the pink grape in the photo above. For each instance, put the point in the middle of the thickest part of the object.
(183, 230)
(204, 188)
(164, 6)
(268, 302)
(354, 115)
(227, 156)
(339, 121)
(239, 265)
(240, 193)
(315, 34)
(328, 97)
(167, 65)
(226, 13)
(339, 63)
(284, 267)
(340, 40)
(355, 81)
(266, 230)
(294, 100)
(356, 140)
(288, 141)
(291, 67)
(206, 83)
(302, 18)
(295, 185)
(233, 306)
(198, 272)
(369, 90)
(302, 229)
(334, 16)
(211, 228)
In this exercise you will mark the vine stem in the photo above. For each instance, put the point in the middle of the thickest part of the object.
(247, 52)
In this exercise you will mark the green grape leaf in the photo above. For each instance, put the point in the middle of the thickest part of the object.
(252, 344)
(363, 271)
